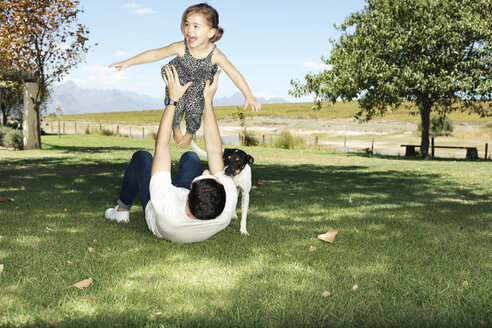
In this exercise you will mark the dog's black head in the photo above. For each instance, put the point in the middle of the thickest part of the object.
(235, 160)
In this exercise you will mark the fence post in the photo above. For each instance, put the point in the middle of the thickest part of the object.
(486, 149)
(75, 122)
(345, 144)
(117, 129)
(263, 137)
(59, 129)
(100, 127)
(432, 140)
(372, 146)
(88, 128)
(316, 141)
(63, 126)
(130, 131)
(51, 126)
(143, 132)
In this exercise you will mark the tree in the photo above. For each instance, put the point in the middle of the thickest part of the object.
(10, 100)
(42, 38)
(436, 54)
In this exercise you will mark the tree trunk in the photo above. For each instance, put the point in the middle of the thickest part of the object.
(4, 115)
(425, 109)
(37, 124)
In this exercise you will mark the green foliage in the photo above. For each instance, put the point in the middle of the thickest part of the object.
(435, 53)
(249, 140)
(288, 140)
(439, 126)
(11, 138)
(107, 132)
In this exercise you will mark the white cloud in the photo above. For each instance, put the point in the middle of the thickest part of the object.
(120, 54)
(138, 9)
(314, 65)
(130, 5)
(143, 11)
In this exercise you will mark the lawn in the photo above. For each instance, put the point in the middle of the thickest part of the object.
(414, 237)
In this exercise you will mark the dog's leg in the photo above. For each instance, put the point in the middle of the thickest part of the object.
(234, 214)
(244, 211)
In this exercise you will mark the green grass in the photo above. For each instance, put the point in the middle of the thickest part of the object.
(413, 233)
(339, 110)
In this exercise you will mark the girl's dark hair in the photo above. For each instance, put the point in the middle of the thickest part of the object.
(206, 199)
(210, 14)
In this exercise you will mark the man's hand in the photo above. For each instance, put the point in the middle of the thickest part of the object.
(174, 87)
(211, 88)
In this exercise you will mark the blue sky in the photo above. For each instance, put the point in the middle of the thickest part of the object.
(270, 42)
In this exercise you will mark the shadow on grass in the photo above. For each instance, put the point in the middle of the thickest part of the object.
(384, 217)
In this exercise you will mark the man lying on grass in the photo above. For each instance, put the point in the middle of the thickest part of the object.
(195, 205)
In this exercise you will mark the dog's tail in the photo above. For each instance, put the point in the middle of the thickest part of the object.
(198, 150)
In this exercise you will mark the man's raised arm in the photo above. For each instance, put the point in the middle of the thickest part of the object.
(213, 142)
(162, 155)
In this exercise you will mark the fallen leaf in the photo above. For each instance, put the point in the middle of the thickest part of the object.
(354, 276)
(69, 262)
(82, 284)
(288, 255)
(22, 188)
(65, 209)
(329, 236)
(91, 250)
(1, 268)
(48, 229)
(52, 323)
(355, 288)
(58, 197)
(275, 255)
(260, 182)
(464, 283)
(118, 325)
(17, 207)
(327, 187)
(36, 243)
(312, 248)
(325, 294)
(46, 198)
(435, 192)
(357, 230)
(158, 314)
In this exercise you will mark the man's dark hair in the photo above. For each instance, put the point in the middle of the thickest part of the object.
(206, 199)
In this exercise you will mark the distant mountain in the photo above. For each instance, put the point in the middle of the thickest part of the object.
(238, 99)
(75, 100)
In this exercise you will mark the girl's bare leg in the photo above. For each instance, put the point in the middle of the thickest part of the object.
(177, 134)
(185, 141)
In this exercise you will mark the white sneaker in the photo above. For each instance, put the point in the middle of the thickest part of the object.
(114, 215)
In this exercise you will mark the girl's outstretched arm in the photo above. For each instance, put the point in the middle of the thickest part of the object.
(236, 77)
(150, 56)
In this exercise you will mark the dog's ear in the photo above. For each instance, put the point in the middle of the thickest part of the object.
(251, 160)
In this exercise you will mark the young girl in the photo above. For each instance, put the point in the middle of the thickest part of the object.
(196, 60)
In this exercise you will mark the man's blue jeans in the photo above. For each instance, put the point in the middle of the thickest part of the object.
(137, 176)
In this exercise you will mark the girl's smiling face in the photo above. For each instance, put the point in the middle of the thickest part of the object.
(197, 31)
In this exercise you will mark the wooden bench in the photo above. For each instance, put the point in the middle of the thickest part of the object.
(471, 152)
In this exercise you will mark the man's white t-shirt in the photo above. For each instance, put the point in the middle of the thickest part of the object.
(165, 212)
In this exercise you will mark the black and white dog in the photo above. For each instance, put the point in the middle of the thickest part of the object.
(238, 166)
